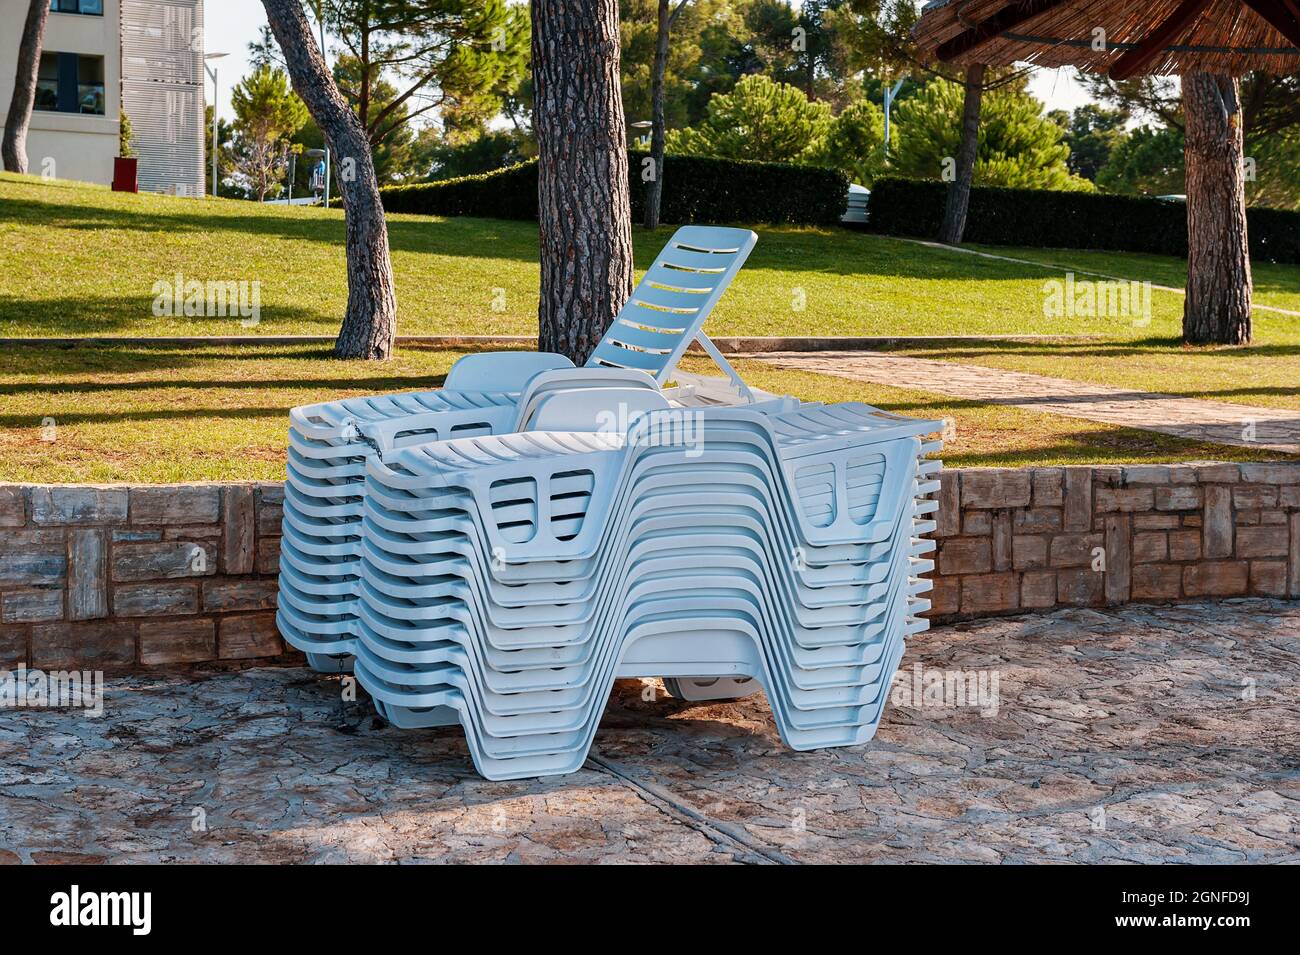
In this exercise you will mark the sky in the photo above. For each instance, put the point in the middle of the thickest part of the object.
(230, 25)
(233, 24)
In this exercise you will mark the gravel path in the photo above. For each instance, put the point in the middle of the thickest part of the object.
(1222, 422)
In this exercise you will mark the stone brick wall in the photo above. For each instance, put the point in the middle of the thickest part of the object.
(117, 577)
(1033, 539)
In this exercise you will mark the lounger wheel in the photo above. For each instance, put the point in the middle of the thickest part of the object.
(330, 663)
(699, 689)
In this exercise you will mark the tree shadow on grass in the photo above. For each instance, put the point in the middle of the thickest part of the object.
(828, 250)
(108, 369)
(55, 358)
(847, 252)
(454, 237)
(69, 418)
(94, 315)
(1269, 277)
(1096, 348)
(1167, 389)
(1104, 441)
(369, 385)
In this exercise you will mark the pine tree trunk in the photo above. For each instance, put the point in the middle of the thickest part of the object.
(370, 324)
(1219, 287)
(584, 212)
(655, 187)
(14, 149)
(810, 68)
(954, 213)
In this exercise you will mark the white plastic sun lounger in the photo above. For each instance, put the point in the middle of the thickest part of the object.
(497, 558)
(489, 393)
(786, 553)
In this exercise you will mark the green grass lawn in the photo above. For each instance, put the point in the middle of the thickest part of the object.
(1267, 375)
(1275, 285)
(134, 413)
(78, 260)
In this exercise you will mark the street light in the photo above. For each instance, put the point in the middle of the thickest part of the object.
(318, 9)
(212, 72)
(891, 94)
(322, 154)
(642, 124)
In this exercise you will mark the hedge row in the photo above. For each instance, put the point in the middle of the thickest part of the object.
(696, 189)
(1067, 220)
(509, 193)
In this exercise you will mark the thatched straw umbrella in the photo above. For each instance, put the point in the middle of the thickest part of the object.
(1209, 43)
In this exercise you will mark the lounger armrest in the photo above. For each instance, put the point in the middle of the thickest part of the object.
(550, 382)
(594, 409)
(588, 377)
(499, 371)
(503, 418)
(428, 426)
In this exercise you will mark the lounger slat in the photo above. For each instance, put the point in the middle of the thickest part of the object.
(641, 337)
(608, 353)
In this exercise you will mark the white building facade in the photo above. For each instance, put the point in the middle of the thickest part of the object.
(104, 56)
(162, 92)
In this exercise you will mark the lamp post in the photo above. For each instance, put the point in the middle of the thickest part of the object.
(891, 94)
(322, 154)
(318, 8)
(212, 72)
(643, 125)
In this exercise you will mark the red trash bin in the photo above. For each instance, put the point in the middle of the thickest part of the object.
(124, 175)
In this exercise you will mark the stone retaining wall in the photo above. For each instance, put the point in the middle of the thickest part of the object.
(1036, 538)
(111, 577)
(115, 577)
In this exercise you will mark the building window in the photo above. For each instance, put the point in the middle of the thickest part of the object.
(69, 83)
(92, 8)
(47, 82)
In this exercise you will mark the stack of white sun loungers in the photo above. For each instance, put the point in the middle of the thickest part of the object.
(496, 553)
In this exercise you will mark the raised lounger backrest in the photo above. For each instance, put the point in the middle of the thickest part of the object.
(668, 308)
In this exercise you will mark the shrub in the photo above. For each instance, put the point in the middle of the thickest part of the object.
(1274, 235)
(126, 136)
(696, 189)
(759, 119)
(509, 193)
(1067, 220)
(1020, 146)
(855, 142)
(704, 189)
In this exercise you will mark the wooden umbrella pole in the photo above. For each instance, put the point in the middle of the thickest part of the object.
(1219, 288)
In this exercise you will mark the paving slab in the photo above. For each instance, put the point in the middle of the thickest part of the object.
(1220, 422)
(1146, 734)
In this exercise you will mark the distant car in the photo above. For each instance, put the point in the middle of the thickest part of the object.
(856, 214)
(1172, 198)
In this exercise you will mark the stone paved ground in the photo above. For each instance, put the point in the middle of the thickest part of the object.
(1222, 422)
(1143, 734)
